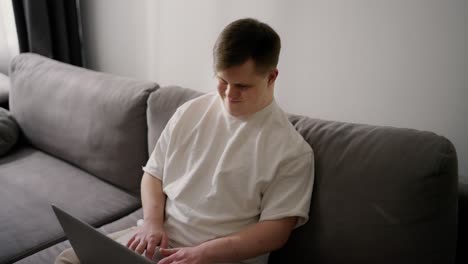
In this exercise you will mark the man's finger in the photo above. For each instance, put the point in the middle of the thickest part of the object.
(134, 244)
(141, 247)
(164, 261)
(150, 249)
(131, 240)
(166, 252)
(164, 241)
(167, 259)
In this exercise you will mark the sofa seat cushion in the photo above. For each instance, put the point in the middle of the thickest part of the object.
(48, 255)
(9, 131)
(32, 180)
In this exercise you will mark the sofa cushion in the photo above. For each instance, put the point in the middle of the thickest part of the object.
(381, 195)
(8, 131)
(94, 120)
(161, 106)
(31, 180)
(48, 255)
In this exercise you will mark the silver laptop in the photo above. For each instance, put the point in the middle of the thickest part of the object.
(93, 247)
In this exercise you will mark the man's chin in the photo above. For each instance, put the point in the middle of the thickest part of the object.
(234, 111)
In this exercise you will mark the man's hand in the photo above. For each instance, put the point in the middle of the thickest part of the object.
(151, 234)
(186, 255)
(148, 237)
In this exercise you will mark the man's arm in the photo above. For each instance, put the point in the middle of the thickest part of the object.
(153, 199)
(151, 234)
(253, 241)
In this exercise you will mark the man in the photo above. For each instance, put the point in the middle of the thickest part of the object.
(230, 177)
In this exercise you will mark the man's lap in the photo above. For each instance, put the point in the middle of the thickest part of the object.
(68, 256)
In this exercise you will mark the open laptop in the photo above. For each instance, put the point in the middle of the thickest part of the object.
(93, 247)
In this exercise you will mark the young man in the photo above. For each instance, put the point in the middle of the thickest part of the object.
(230, 177)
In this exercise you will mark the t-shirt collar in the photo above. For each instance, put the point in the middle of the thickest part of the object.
(259, 114)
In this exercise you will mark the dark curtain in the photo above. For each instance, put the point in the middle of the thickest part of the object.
(50, 28)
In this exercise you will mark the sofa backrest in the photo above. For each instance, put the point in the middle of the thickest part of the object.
(381, 194)
(93, 120)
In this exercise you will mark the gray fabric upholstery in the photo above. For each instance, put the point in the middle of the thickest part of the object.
(161, 106)
(9, 131)
(381, 195)
(48, 255)
(31, 180)
(94, 120)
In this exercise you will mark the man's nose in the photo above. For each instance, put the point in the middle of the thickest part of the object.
(231, 91)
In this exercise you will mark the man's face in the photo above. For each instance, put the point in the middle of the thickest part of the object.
(244, 91)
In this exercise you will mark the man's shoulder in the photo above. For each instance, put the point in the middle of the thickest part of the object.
(189, 114)
(197, 105)
(202, 101)
(286, 136)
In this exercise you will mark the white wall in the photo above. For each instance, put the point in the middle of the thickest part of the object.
(116, 37)
(401, 63)
(8, 37)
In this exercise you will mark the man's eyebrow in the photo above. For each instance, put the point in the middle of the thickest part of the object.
(219, 77)
(242, 84)
(236, 84)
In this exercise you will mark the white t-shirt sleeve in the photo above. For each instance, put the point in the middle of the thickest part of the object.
(290, 192)
(157, 159)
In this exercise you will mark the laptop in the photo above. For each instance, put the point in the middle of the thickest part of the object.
(93, 247)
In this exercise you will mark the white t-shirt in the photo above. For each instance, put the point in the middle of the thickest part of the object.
(221, 173)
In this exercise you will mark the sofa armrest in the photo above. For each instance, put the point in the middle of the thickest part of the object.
(462, 245)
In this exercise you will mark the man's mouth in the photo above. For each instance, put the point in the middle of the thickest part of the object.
(234, 101)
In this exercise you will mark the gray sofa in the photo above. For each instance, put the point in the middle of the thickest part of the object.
(381, 194)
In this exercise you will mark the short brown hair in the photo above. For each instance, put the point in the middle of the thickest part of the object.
(244, 39)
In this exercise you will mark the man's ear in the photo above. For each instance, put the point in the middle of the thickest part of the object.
(272, 76)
